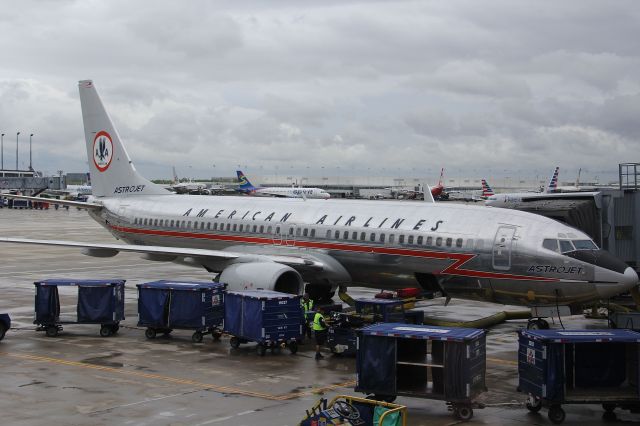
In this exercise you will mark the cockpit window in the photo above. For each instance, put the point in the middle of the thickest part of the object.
(566, 246)
(584, 245)
(550, 244)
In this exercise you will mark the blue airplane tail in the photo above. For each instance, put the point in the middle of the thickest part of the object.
(245, 185)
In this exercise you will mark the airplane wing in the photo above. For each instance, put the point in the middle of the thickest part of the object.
(79, 204)
(107, 250)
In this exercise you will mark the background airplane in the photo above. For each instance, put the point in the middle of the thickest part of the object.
(246, 187)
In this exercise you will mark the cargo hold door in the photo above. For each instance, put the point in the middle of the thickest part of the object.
(502, 248)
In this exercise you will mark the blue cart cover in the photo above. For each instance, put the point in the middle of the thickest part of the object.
(415, 331)
(180, 304)
(96, 304)
(582, 336)
(47, 305)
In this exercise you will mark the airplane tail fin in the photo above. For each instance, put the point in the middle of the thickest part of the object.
(487, 191)
(441, 174)
(244, 182)
(112, 172)
(175, 176)
(553, 183)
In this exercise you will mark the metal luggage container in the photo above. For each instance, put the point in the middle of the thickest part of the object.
(183, 305)
(270, 318)
(419, 361)
(98, 302)
(558, 367)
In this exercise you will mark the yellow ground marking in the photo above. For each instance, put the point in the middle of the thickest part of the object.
(176, 380)
(502, 361)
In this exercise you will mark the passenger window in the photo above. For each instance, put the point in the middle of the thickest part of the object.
(135, 220)
(208, 225)
(401, 239)
(235, 225)
(277, 230)
(228, 227)
(269, 229)
(420, 239)
(410, 239)
(183, 224)
(345, 235)
(382, 238)
(202, 225)
(449, 242)
(155, 222)
(566, 246)
(392, 238)
(354, 236)
(328, 234)
(429, 241)
(189, 224)
(363, 236)
(372, 237)
(255, 228)
(171, 225)
(240, 228)
(470, 243)
(459, 242)
(215, 225)
(290, 230)
(298, 232)
(305, 232)
(439, 241)
(313, 233)
(262, 229)
(145, 221)
(337, 235)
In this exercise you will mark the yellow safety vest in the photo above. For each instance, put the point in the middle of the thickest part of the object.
(308, 306)
(317, 326)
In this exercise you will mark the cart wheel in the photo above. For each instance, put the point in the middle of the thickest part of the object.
(534, 404)
(463, 412)
(293, 347)
(216, 335)
(150, 333)
(52, 331)
(115, 328)
(262, 349)
(196, 337)
(234, 342)
(105, 331)
(556, 414)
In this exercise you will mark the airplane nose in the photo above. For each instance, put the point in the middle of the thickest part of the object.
(617, 284)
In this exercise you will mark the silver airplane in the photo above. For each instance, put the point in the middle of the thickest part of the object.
(471, 252)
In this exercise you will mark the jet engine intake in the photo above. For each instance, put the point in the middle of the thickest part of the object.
(262, 276)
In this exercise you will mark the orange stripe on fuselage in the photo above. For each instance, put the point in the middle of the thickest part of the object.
(453, 269)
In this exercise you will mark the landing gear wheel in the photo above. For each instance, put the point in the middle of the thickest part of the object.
(150, 333)
(538, 324)
(293, 347)
(234, 342)
(262, 349)
(463, 412)
(105, 331)
(556, 414)
(534, 404)
(196, 337)
(52, 331)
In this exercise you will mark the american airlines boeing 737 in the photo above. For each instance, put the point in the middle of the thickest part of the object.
(472, 252)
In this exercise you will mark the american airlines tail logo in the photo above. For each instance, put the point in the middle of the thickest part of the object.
(553, 183)
(102, 151)
(486, 189)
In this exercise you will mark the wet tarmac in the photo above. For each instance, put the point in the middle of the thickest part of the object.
(80, 378)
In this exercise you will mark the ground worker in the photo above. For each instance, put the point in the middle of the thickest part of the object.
(320, 331)
(307, 307)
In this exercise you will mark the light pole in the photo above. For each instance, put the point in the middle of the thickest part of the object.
(17, 134)
(2, 152)
(30, 165)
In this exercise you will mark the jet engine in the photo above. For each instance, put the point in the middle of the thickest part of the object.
(263, 276)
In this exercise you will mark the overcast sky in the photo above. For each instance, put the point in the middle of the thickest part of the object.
(482, 88)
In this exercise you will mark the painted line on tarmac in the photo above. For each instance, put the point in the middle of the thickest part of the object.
(66, 270)
(208, 386)
(502, 361)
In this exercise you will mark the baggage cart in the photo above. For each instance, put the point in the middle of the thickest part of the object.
(5, 324)
(447, 364)
(628, 320)
(351, 410)
(98, 302)
(341, 337)
(270, 318)
(184, 305)
(558, 367)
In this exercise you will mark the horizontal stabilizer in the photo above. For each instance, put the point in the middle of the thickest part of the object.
(79, 204)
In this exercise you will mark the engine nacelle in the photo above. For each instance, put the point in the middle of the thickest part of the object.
(263, 276)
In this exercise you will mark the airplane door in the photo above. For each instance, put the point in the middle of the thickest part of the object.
(502, 248)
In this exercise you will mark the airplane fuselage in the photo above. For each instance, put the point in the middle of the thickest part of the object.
(474, 252)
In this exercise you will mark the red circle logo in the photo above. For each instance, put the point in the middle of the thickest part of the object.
(102, 150)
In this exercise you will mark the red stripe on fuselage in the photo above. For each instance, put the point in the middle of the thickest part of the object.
(453, 269)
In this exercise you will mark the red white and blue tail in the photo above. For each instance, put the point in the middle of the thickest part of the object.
(553, 183)
(486, 189)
